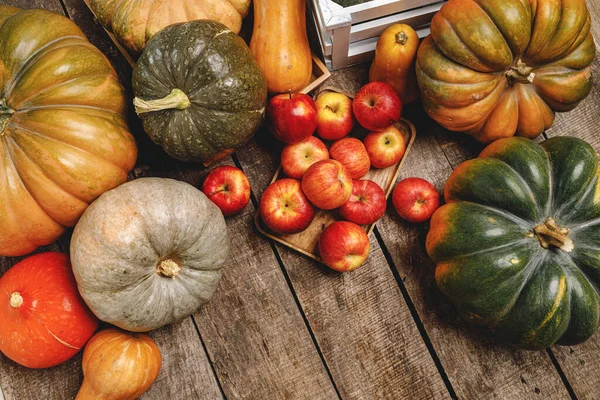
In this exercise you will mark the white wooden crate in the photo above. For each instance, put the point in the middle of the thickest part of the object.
(348, 35)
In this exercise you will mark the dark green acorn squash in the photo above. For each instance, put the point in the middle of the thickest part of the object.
(199, 91)
(517, 245)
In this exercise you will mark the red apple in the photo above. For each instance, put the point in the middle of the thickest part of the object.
(415, 199)
(334, 115)
(284, 208)
(352, 154)
(366, 205)
(292, 117)
(228, 188)
(327, 184)
(296, 158)
(344, 246)
(377, 106)
(386, 147)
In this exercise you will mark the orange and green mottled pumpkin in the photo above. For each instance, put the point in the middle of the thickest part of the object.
(496, 68)
(517, 245)
(63, 135)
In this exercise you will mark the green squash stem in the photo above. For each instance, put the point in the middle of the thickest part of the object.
(550, 234)
(16, 300)
(177, 99)
(168, 268)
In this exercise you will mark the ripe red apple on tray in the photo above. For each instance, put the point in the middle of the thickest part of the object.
(334, 115)
(228, 188)
(296, 158)
(343, 246)
(284, 208)
(366, 205)
(385, 148)
(377, 106)
(415, 199)
(327, 184)
(352, 154)
(292, 117)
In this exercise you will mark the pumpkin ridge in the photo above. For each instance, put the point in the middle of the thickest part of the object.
(32, 58)
(495, 25)
(14, 124)
(465, 47)
(24, 102)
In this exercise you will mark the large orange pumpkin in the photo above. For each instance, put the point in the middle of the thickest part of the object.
(495, 68)
(63, 136)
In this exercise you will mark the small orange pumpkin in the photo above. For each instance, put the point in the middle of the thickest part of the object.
(118, 365)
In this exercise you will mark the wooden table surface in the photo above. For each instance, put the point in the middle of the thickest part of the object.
(284, 327)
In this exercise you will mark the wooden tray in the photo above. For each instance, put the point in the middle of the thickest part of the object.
(320, 73)
(306, 241)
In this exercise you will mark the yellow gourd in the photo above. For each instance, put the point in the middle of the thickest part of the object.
(280, 44)
(118, 365)
(394, 61)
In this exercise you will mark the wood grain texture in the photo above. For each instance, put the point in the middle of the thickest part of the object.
(477, 366)
(359, 319)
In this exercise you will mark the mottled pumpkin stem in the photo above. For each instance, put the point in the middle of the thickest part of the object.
(16, 300)
(168, 268)
(5, 114)
(550, 234)
(177, 99)
(520, 72)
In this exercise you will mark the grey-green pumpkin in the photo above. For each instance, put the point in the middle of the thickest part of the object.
(149, 253)
(199, 91)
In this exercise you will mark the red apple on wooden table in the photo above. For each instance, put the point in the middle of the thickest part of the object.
(228, 188)
(334, 115)
(292, 117)
(327, 184)
(386, 147)
(343, 246)
(366, 205)
(352, 154)
(284, 208)
(415, 199)
(377, 106)
(296, 158)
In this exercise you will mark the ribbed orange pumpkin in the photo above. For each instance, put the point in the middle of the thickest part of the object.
(118, 365)
(495, 68)
(63, 135)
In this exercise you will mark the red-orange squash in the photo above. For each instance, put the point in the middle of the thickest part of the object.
(496, 68)
(280, 44)
(63, 135)
(43, 320)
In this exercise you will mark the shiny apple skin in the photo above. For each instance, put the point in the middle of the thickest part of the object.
(377, 106)
(335, 118)
(327, 184)
(296, 158)
(228, 187)
(292, 118)
(344, 246)
(352, 153)
(366, 205)
(284, 208)
(415, 199)
(385, 148)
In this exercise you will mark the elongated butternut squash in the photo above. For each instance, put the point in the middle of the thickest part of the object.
(280, 44)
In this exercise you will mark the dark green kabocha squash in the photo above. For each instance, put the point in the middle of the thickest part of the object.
(199, 91)
(517, 245)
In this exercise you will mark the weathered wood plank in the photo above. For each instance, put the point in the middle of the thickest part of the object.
(477, 366)
(360, 319)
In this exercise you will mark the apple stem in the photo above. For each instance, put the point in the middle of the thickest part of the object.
(290, 93)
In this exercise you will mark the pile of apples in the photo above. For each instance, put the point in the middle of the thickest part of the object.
(331, 178)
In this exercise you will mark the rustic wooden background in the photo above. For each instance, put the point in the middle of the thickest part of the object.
(284, 327)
